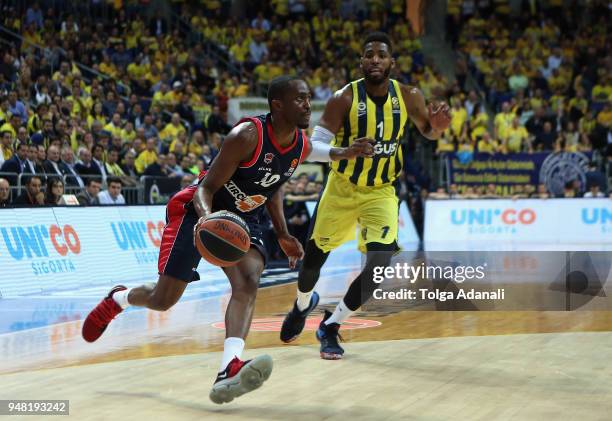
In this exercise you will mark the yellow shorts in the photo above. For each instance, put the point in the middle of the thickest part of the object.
(343, 205)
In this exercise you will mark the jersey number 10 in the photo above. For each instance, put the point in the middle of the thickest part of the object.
(268, 180)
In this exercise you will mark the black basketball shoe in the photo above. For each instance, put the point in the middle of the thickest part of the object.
(328, 336)
(295, 320)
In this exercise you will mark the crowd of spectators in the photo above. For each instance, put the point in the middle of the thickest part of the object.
(546, 74)
(121, 93)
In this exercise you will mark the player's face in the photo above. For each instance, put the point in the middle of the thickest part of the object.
(376, 62)
(297, 103)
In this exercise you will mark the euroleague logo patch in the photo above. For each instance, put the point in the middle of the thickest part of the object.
(292, 168)
(273, 324)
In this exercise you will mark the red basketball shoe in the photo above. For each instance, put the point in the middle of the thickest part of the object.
(98, 319)
(240, 377)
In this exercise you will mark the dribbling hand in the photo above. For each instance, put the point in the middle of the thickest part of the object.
(292, 248)
(195, 228)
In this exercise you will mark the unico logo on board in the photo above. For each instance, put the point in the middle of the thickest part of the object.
(143, 238)
(493, 221)
(598, 216)
(49, 247)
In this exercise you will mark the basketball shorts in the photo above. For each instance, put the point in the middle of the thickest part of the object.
(344, 207)
(178, 256)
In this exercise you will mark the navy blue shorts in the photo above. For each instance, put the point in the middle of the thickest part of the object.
(178, 257)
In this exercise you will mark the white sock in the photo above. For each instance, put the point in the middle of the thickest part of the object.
(340, 314)
(121, 298)
(303, 300)
(232, 347)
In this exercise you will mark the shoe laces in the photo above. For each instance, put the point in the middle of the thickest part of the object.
(333, 330)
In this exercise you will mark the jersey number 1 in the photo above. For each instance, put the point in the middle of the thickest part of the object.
(381, 129)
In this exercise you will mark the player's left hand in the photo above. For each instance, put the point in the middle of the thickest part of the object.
(292, 248)
(439, 116)
(362, 147)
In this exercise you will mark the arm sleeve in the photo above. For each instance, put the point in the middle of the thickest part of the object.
(320, 145)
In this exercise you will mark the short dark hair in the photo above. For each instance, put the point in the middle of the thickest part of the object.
(378, 37)
(31, 178)
(278, 86)
(110, 180)
(93, 179)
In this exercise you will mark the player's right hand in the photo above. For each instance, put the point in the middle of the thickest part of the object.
(195, 228)
(362, 147)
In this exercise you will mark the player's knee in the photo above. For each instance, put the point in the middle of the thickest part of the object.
(380, 254)
(248, 287)
(314, 257)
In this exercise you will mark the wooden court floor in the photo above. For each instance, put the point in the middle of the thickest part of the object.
(408, 365)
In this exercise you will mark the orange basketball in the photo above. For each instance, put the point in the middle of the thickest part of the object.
(223, 238)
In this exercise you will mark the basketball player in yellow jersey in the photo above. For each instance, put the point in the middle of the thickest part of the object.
(360, 191)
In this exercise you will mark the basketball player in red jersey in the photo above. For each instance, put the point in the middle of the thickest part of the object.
(256, 158)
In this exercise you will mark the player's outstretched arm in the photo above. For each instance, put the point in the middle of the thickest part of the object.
(332, 119)
(431, 119)
(237, 147)
(290, 245)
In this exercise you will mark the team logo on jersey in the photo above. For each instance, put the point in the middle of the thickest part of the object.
(292, 168)
(395, 104)
(268, 157)
(361, 108)
(244, 203)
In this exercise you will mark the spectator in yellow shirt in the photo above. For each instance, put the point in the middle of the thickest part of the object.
(487, 145)
(176, 93)
(6, 146)
(147, 157)
(171, 130)
(604, 117)
(108, 67)
(459, 118)
(602, 91)
(445, 143)
(114, 127)
(197, 143)
(128, 133)
(63, 75)
(12, 125)
(515, 137)
(502, 121)
(162, 97)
